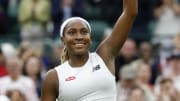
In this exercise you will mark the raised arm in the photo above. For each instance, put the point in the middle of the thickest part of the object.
(110, 47)
(50, 87)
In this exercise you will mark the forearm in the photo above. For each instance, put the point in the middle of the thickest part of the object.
(130, 7)
(123, 25)
(176, 9)
(110, 47)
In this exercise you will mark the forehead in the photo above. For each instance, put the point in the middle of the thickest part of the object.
(14, 62)
(144, 67)
(76, 24)
(33, 59)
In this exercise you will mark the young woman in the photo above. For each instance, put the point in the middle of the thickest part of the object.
(85, 76)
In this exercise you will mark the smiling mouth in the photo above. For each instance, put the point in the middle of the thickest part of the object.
(79, 44)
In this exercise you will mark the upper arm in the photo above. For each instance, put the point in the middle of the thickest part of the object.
(110, 47)
(50, 86)
(112, 44)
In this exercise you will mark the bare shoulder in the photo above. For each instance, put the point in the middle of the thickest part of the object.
(50, 86)
(51, 75)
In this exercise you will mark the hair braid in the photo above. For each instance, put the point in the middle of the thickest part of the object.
(64, 56)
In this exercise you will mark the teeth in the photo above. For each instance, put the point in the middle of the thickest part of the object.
(79, 44)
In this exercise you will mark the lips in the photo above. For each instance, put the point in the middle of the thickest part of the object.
(79, 44)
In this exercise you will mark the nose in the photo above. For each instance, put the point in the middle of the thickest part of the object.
(79, 36)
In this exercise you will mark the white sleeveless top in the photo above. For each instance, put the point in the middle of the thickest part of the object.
(90, 82)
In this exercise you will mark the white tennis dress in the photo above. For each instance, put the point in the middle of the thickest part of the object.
(90, 82)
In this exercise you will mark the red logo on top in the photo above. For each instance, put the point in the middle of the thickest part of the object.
(70, 78)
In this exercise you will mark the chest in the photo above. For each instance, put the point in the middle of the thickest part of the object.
(86, 82)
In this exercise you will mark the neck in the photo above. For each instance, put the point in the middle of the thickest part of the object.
(147, 60)
(34, 77)
(14, 78)
(176, 73)
(143, 81)
(78, 60)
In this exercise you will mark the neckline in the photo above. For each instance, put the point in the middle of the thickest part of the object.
(80, 67)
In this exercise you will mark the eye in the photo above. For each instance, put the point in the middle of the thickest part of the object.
(84, 31)
(71, 32)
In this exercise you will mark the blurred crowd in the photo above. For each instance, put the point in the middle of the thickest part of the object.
(147, 67)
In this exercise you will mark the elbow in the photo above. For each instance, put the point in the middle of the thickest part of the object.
(130, 7)
(134, 13)
(131, 14)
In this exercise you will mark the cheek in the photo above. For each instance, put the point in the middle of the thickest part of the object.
(89, 43)
(32, 68)
(65, 39)
(29, 70)
(89, 40)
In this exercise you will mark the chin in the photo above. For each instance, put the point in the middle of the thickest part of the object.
(80, 52)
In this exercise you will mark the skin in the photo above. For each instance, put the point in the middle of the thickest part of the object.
(146, 52)
(136, 94)
(15, 95)
(14, 66)
(144, 73)
(171, 4)
(128, 51)
(78, 53)
(33, 67)
(127, 83)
